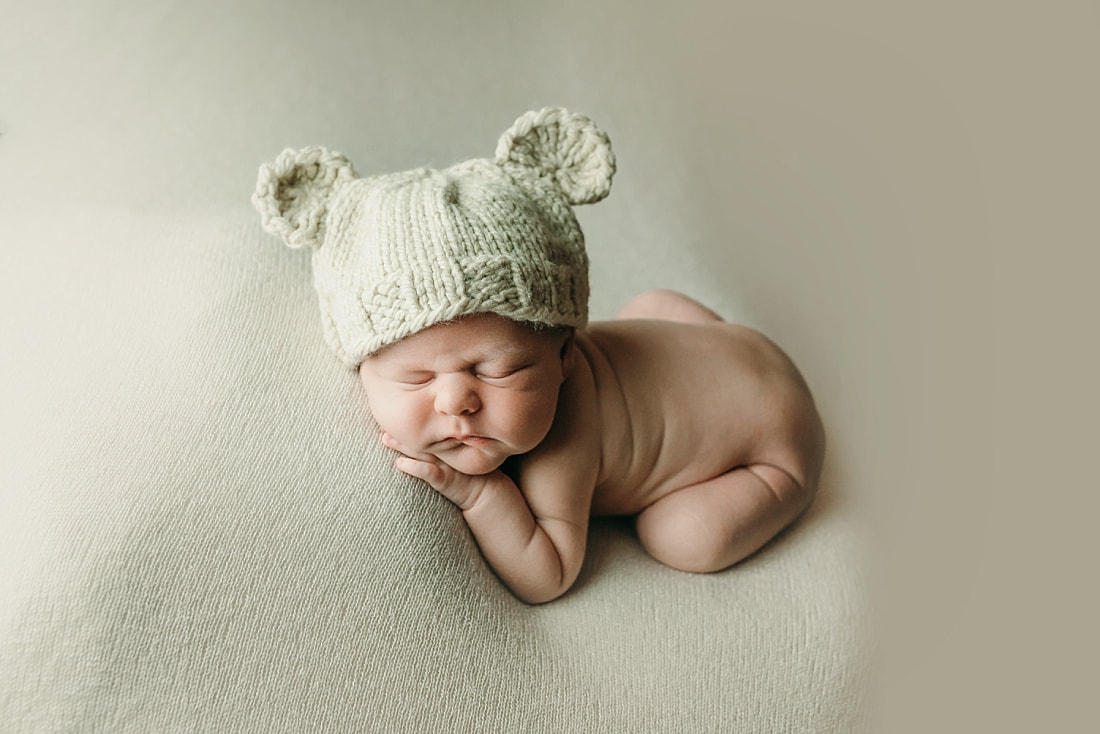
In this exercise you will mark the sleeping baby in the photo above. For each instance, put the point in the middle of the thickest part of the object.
(461, 296)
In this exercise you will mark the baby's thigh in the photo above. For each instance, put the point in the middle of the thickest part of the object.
(667, 305)
(712, 525)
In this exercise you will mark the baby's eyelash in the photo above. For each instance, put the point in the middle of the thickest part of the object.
(500, 374)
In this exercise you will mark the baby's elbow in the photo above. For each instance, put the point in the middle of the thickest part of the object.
(549, 579)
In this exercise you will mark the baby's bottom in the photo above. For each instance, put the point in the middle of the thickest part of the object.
(712, 525)
(666, 306)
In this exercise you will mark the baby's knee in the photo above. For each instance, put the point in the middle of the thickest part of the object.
(682, 540)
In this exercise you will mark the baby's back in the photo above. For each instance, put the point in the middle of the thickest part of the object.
(683, 403)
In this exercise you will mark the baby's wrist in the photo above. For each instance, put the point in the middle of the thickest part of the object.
(489, 491)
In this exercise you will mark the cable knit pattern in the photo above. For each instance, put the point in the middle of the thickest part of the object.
(397, 253)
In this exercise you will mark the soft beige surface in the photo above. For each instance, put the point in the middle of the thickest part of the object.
(208, 532)
(200, 533)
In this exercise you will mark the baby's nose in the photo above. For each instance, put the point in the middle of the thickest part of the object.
(456, 397)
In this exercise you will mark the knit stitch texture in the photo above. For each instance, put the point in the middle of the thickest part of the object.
(397, 253)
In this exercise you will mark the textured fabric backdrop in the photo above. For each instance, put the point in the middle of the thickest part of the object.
(199, 530)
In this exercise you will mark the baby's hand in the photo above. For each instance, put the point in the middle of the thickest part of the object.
(461, 489)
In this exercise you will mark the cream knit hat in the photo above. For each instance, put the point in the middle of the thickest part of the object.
(396, 253)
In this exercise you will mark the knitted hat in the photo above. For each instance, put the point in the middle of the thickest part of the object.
(396, 253)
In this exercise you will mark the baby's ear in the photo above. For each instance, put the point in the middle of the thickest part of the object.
(293, 193)
(562, 146)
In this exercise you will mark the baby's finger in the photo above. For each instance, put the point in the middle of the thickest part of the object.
(433, 474)
(391, 442)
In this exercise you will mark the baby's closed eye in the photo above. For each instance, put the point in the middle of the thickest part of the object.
(500, 373)
(415, 379)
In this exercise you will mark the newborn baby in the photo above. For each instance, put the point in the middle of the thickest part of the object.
(702, 429)
(461, 297)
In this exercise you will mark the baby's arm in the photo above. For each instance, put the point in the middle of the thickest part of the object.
(533, 535)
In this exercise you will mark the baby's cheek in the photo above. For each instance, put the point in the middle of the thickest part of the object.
(401, 418)
(533, 418)
(386, 413)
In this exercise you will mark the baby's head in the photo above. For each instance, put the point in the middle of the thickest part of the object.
(405, 257)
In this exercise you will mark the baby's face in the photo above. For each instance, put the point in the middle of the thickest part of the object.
(471, 392)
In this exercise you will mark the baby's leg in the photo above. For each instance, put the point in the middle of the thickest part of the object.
(667, 306)
(709, 526)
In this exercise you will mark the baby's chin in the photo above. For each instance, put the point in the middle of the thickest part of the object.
(471, 461)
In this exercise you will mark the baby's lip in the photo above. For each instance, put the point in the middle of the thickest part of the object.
(469, 439)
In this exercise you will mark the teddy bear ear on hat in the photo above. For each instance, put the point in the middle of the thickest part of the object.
(562, 146)
(293, 193)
